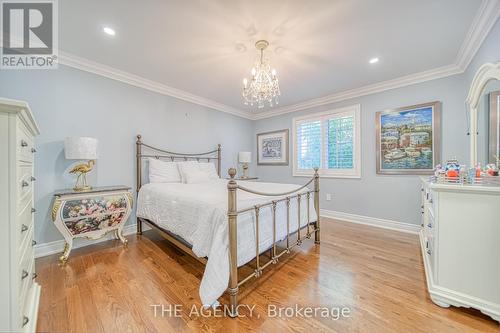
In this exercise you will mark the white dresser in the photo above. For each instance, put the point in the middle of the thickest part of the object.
(460, 242)
(19, 293)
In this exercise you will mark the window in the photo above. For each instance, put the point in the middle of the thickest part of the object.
(330, 141)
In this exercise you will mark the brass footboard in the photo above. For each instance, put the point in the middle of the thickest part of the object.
(144, 151)
(233, 212)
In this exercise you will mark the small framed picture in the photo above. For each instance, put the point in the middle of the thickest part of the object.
(408, 139)
(272, 148)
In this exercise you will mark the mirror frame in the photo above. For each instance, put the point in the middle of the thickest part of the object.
(484, 74)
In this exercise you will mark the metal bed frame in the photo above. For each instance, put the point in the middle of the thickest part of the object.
(232, 214)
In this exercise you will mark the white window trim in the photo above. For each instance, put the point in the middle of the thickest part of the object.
(328, 173)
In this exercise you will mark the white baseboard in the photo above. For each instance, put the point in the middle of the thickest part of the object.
(46, 249)
(372, 221)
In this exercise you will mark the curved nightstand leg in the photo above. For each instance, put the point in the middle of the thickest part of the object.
(67, 249)
(119, 233)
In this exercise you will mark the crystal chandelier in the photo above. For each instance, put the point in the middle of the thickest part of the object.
(263, 87)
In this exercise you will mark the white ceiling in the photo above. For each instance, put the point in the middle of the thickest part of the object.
(318, 47)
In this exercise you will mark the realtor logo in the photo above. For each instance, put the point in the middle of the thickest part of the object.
(29, 34)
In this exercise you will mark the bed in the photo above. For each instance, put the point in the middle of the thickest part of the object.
(225, 224)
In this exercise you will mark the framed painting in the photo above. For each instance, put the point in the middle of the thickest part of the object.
(408, 139)
(494, 130)
(272, 148)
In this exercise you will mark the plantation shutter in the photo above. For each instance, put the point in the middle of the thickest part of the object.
(339, 143)
(329, 141)
(309, 144)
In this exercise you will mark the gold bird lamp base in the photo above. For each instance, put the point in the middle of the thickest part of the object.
(81, 181)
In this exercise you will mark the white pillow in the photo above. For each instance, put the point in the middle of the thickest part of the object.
(196, 176)
(195, 172)
(186, 167)
(163, 172)
(209, 168)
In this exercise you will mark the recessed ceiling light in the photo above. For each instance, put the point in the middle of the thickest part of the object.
(373, 60)
(109, 31)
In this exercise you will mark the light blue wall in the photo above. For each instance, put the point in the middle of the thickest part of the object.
(68, 102)
(387, 197)
(488, 52)
(391, 197)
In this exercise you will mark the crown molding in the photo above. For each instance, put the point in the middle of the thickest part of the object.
(484, 20)
(486, 17)
(403, 81)
(109, 72)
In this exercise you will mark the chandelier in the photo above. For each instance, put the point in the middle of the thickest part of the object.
(263, 87)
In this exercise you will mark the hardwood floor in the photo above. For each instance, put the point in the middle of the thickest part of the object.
(376, 273)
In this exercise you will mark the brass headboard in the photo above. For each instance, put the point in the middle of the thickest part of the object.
(150, 151)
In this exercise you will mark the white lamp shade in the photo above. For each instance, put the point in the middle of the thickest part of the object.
(245, 157)
(80, 148)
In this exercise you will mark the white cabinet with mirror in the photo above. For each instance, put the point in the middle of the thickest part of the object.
(460, 238)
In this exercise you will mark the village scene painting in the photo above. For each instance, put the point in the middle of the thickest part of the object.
(406, 140)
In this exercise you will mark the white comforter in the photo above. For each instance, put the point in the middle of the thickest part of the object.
(198, 213)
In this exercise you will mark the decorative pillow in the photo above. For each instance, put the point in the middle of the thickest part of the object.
(209, 168)
(163, 172)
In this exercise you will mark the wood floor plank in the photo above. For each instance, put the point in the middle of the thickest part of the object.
(377, 274)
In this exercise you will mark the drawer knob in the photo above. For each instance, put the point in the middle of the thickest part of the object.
(25, 320)
(431, 201)
(23, 143)
(32, 178)
(429, 225)
(429, 252)
(33, 242)
(24, 228)
(33, 209)
(34, 276)
(33, 150)
(25, 183)
(24, 275)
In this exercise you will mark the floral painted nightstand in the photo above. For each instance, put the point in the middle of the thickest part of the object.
(91, 214)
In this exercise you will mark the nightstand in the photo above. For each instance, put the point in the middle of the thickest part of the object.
(91, 214)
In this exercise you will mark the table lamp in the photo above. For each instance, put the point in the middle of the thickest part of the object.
(81, 148)
(245, 157)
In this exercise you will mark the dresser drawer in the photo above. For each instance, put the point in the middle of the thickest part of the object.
(24, 224)
(25, 183)
(430, 252)
(430, 225)
(26, 277)
(24, 143)
(95, 213)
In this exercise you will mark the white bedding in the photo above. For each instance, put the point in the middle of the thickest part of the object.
(198, 213)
